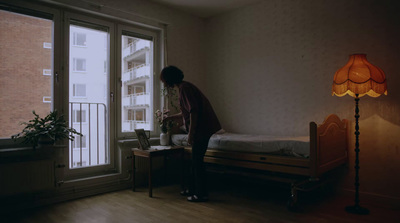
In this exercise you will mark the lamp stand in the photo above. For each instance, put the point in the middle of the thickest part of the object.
(356, 208)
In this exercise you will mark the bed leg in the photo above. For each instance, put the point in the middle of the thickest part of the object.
(292, 202)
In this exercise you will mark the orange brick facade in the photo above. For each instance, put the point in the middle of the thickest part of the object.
(22, 60)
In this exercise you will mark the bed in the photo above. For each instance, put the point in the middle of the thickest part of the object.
(305, 158)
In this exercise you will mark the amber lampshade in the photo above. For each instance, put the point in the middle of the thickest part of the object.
(360, 77)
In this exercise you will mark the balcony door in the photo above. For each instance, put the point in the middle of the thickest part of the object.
(90, 95)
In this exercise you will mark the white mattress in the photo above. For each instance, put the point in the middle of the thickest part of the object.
(287, 146)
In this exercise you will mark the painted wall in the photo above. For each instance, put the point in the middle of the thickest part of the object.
(270, 68)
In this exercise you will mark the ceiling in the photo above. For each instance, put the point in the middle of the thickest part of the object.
(205, 8)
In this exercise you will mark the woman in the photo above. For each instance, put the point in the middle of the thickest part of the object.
(200, 121)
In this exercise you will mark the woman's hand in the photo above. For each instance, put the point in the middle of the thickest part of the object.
(165, 119)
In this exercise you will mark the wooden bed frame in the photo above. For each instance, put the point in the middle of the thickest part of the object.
(328, 150)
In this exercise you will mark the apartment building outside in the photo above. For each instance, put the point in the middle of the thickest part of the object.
(136, 84)
(25, 71)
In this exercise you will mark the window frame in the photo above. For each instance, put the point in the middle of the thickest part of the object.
(156, 35)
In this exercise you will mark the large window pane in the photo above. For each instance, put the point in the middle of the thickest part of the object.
(25, 69)
(88, 83)
(137, 83)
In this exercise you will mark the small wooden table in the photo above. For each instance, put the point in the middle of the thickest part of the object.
(150, 154)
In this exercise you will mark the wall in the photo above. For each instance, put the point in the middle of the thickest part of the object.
(270, 68)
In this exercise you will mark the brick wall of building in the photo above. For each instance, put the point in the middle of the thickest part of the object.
(22, 60)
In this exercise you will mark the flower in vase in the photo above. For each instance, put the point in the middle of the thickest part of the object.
(167, 125)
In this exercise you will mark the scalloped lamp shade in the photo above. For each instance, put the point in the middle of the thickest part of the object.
(360, 77)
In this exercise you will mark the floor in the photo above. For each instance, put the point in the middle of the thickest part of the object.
(231, 200)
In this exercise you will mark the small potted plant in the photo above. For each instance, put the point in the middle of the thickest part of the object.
(47, 130)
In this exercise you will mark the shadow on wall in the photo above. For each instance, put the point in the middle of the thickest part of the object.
(386, 107)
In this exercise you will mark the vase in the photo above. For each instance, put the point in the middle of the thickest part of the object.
(164, 139)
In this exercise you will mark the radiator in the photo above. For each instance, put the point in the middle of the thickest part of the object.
(26, 177)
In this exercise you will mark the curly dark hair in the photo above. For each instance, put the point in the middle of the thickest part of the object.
(171, 75)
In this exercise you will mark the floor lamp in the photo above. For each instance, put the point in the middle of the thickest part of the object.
(358, 78)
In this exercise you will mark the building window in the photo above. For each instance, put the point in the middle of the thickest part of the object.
(79, 39)
(47, 45)
(47, 72)
(79, 90)
(46, 99)
(79, 142)
(137, 115)
(79, 116)
(79, 65)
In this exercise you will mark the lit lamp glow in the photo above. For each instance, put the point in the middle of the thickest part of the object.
(358, 78)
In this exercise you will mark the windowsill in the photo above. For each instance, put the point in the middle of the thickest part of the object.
(134, 142)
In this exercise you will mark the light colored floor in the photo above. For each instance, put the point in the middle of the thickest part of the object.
(230, 201)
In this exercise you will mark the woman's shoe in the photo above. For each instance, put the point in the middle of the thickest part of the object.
(195, 198)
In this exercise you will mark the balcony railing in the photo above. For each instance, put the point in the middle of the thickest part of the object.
(136, 100)
(131, 125)
(92, 148)
(136, 73)
(134, 47)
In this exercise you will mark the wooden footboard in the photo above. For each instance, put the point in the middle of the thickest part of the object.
(328, 145)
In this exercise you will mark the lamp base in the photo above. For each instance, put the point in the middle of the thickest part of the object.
(356, 209)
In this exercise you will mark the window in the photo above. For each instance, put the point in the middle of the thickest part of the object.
(115, 57)
(79, 90)
(47, 45)
(79, 142)
(79, 116)
(138, 85)
(46, 99)
(22, 41)
(79, 65)
(137, 115)
(46, 72)
(79, 39)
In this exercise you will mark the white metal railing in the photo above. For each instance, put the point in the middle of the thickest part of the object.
(134, 47)
(140, 71)
(140, 99)
(131, 125)
(92, 124)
